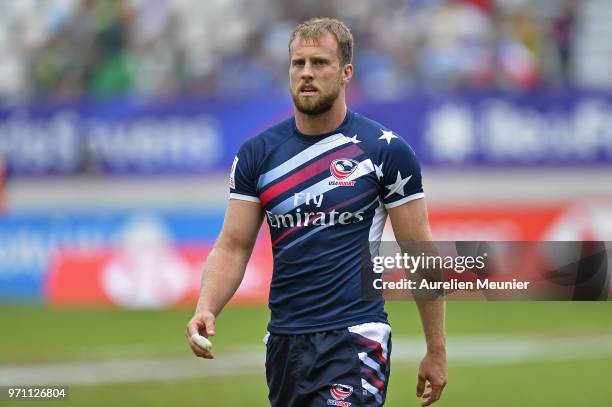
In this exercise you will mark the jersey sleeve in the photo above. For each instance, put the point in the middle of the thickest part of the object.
(243, 175)
(401, 174)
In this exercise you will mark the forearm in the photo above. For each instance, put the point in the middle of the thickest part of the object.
(432, 318)
(223, 272)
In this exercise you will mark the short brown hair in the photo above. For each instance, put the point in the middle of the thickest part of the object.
(318, 26)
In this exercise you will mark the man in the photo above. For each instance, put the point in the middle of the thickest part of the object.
(325, 181)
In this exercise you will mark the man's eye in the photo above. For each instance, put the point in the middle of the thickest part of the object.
(298, 63)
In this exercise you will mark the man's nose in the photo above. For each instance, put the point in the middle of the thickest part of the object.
(307, 71)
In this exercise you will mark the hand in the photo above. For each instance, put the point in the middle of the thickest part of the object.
(202, 323)
(433, 373)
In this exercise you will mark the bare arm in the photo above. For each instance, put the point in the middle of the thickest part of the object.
(224, 268)
(410, 223)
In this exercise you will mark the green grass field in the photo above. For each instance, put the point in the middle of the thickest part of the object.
(569, 374)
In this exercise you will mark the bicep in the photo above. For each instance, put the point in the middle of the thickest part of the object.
(410, 221)
(240, 226)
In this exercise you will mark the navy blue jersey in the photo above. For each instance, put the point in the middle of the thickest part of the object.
(324, 197)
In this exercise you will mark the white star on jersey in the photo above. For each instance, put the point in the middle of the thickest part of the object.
(354, 139)
(398, 186)
(388, 136)
(378, 169)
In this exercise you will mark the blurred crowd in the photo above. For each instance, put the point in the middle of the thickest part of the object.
(161, 48)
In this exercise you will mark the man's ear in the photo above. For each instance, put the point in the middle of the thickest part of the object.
(347, 73)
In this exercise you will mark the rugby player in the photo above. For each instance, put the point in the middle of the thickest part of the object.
(325, 181)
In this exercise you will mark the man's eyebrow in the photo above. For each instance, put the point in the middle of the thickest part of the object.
(313, 57)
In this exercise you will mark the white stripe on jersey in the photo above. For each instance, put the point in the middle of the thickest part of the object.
(243, 197)
(366, 360)
(412, 197)
(303, 157)
(364, 168)
(376, 228)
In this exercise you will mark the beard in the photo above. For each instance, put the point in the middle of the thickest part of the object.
(314, 105)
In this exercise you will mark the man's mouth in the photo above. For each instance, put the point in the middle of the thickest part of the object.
(308, 90)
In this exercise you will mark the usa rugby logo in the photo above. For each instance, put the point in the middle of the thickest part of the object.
(341, 169)
(341, 391)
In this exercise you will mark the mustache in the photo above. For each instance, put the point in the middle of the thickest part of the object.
(307, 86)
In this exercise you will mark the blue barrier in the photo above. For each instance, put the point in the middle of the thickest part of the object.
(198, 136)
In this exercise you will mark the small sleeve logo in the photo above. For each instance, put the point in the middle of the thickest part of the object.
(232, 182)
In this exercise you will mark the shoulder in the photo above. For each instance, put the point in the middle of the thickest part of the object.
(375, 137)
(269, 138)
(369, 127)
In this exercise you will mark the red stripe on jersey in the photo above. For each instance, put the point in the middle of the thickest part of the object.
(308, 172)
(376, 347)
(369, 376)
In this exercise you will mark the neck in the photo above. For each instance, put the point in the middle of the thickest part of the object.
(321, 123)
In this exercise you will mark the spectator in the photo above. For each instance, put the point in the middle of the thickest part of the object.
(105, 48)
